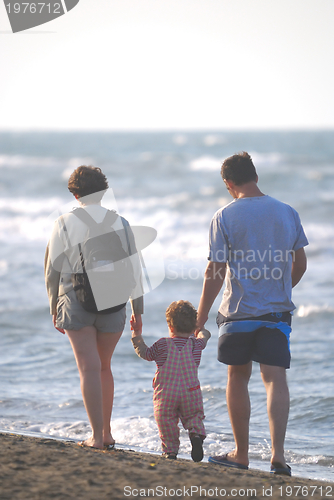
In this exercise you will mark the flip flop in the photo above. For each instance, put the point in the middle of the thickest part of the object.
(109, 447)
(169, 456)
(84, 445)
(278, 468)
(223, 460)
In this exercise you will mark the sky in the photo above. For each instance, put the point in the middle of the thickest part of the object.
(172, 64)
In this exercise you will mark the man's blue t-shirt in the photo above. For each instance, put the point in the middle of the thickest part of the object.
(257, 238)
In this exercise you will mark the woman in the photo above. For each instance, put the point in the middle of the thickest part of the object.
(93, 336)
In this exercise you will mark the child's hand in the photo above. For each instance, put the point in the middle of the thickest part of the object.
(136, 325)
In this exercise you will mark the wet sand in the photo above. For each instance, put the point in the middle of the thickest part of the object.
(41, 469)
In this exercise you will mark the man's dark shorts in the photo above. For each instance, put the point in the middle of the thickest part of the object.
(268, 346)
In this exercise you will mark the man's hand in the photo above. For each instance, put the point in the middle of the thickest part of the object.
(54, 317)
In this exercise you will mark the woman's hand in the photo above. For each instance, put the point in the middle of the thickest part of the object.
(136, 325)
(54, 317)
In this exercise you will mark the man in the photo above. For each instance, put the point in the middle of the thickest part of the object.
(256, 246)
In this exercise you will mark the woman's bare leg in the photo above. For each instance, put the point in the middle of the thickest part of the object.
(106, 343)
(84, 345)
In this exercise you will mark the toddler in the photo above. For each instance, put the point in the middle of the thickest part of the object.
(177, 391)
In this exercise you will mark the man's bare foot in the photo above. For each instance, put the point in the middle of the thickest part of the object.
(232, 456)
(278, 458)
(230, 459)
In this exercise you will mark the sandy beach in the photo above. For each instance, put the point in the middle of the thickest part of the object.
(41, 469)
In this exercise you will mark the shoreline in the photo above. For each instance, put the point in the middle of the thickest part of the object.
(35, 468)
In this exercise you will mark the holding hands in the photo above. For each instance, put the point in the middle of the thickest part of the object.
(136, 325)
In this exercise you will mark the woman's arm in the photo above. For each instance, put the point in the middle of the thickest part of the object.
(52, 277)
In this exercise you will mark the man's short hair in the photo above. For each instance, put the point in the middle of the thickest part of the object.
(182, 316)
(239, 169)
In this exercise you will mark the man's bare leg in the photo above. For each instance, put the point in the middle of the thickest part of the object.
(278, 402)
(239, 409)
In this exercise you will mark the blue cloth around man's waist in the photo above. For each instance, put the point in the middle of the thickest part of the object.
(272, 321)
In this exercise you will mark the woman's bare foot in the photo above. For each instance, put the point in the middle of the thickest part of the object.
(108, 440)
(91, 443)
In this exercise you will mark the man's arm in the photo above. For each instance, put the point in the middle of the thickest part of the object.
(299, 266)
(213, 281)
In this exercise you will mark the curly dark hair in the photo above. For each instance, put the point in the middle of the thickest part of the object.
(86, 181)
(239, 168)
(182, 316)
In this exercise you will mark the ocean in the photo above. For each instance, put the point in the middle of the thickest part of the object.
(169, 181)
